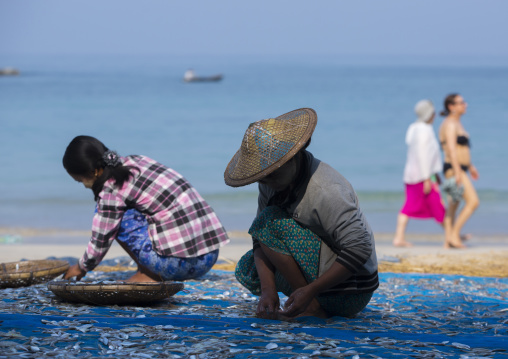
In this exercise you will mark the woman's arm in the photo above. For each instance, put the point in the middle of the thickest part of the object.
(451, 146)
(300, 299)
(340, 217)
(106, 222)
(423, 149)
(474, 172)
(268, 304)
(336, 274)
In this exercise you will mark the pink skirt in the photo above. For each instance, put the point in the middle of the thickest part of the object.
(421, 205)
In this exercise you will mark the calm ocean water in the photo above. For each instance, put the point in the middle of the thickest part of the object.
(141, 106)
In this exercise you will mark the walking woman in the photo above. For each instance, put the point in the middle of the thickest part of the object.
(456, 145)
(423, 162)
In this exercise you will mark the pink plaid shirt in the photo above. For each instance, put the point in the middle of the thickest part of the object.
(180, 222)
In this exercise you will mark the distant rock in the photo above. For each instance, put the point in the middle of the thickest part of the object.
(9, 71)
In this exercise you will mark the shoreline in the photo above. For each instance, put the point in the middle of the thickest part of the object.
(32, 235)
(485, 255)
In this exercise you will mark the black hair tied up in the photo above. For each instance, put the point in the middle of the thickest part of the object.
(86, 154)
(111, 158)
(449, 100)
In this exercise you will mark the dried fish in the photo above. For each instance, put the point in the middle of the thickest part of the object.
(215, 319)
(270, 346)
(461, 346)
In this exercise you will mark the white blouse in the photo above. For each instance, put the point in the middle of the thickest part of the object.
(423, 155)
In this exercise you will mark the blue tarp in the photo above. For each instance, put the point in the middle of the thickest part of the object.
(410, 315)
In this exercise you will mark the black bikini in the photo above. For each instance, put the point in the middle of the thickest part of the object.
(447, 166)
(461, 141)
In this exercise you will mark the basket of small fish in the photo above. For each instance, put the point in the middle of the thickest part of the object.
(114, 293)
(25, 273)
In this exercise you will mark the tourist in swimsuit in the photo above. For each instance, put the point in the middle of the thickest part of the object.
(456, 146)
(311, 240)
(423, 162)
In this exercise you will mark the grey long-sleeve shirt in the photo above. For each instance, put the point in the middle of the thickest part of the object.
(327, 204)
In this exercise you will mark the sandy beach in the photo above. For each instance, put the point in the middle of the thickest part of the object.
(485, 256)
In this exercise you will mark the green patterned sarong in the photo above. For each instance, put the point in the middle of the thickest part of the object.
(276, 229)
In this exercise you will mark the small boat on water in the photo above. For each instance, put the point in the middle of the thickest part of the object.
(9, 71)
(190, 76)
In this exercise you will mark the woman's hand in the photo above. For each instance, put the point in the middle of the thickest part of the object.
(474, 172)
(458, 179)
(427, 186)
(299, 301)
(268, 305)
(74, 271)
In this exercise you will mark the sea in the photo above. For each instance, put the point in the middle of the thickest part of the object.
(141, 105)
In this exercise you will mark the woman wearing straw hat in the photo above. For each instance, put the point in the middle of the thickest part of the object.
(151, 210)
(311, 241)
(423, 162)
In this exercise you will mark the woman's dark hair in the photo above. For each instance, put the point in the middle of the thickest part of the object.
(449, 100)
(84, 155)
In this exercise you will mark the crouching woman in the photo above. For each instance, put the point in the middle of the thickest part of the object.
(311, 240)
(153, 212)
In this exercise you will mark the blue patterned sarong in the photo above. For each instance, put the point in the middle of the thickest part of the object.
(133, 233)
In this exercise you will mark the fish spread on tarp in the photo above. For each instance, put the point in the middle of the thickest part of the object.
(410, 315)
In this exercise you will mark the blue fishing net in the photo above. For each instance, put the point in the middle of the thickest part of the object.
(410, 315)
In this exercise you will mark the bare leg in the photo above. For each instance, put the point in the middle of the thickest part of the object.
(399, 240)
(471, 204)
(143, 274)
(448, 222)
(289, 269)
(451, 209)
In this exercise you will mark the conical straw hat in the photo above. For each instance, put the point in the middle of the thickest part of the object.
(268, 144)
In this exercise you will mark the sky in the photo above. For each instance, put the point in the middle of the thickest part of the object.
(414, 28)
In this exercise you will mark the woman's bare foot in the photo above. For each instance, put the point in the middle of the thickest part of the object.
(140, 277)
(401, 243)
(456, 244)
(465, 237)
(320, 313)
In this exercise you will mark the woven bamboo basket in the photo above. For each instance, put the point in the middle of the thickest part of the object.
(25, 273)
(100, 293)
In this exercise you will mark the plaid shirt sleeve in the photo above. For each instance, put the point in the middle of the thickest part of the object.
(106, 222)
